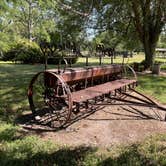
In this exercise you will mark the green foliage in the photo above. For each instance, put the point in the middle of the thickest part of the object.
(31, 19)
(139, 24)
(24, 51)
(18, 149)
(4, 42)
(155, 149)
(8, 132)
(108, 38)
(163, 67)
(58, 59)
(162, 41)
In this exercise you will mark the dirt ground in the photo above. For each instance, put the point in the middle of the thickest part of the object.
(104, 127)
(108, 126)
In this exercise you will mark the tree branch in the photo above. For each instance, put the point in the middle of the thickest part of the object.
(137, 18)
(69, 8)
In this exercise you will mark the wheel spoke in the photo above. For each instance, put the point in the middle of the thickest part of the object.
(50, 96)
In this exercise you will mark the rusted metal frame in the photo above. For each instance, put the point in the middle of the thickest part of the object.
(77, 107)
(92, 79)
(102, 97)
(59, 65)
(129, 95)
(124, 89)
(120, 91)
(103, 78)
(108, 77)
(157, 114)
(150, 101)
(87, 72)
(86, 82)
(143, 96)
(87, 104)
(127, 101)
(134, 73)
(95, 100)
(64, 85)
(135, 103)
(138, 103)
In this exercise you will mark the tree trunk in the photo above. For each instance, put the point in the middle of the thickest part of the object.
(149, 49)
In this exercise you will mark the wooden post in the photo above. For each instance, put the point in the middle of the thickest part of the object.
(111, 59)
(87, 61)
(46, 57)
(70, 61)
(99, 59)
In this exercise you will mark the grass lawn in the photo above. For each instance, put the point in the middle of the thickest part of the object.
(107, 60)
(154, 86)
(18, 149)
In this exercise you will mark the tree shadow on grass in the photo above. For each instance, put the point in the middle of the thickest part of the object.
(61, 157)
(24, 155)
(8, 134)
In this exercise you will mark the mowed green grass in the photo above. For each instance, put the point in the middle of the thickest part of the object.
(20, 148)
(106, 60)
(153, 86)
(14, 80)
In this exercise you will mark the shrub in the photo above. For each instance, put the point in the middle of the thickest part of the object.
(139, 67)
(55, 60)
(29, 52)
(24, 51)
(58, 56)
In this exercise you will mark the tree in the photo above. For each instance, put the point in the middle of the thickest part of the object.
(72, 17)
(5, 30)
(33, 19)
(149, 17)
(146, 17)
(108, 38)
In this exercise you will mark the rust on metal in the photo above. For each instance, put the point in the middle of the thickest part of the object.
(98, 90)
(72, 74)
(62, 92)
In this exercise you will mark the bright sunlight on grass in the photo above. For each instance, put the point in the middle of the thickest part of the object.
(153, 86)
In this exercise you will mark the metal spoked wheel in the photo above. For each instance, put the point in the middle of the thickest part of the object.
(50, 98)
(128, 72)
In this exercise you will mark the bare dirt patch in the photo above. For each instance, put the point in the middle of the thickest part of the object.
(108, 126)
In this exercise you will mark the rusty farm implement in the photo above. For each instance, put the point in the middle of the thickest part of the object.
(62, 93)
